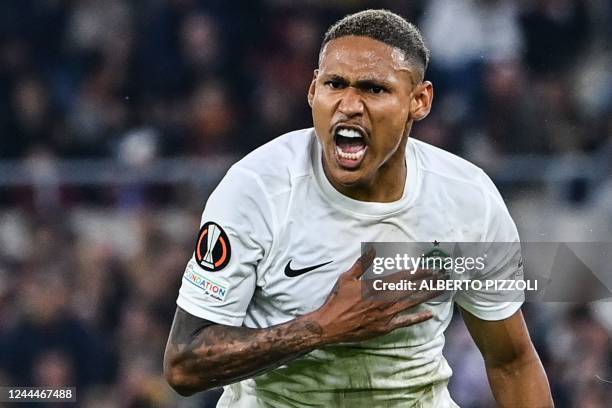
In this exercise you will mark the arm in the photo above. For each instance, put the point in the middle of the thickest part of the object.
(515, 372)
(202, 355)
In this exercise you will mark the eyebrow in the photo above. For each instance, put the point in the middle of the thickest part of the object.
(360, 83)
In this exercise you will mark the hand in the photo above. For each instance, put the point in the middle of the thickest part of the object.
(350, 314)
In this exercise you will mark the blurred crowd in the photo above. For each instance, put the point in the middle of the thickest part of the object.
(79, 78)
(88, 302)
(87, 291)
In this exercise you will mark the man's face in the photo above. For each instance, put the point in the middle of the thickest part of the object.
(364, 97)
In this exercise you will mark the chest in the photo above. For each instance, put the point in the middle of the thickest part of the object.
(318, 242)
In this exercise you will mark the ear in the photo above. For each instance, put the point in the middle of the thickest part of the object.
(311, 88)
(422, 97)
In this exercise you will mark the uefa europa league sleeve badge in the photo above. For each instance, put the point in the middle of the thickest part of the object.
(212, 251)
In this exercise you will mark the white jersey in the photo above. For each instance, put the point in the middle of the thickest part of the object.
(276, 215)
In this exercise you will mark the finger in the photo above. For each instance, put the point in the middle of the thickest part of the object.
(361, 265)
(404, 320)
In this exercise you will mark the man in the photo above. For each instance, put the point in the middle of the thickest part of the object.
(264, 308)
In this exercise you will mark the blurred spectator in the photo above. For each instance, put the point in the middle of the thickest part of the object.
(214, 120)
(49, 340)
(463, 36)
(202, 51)
(556, 33)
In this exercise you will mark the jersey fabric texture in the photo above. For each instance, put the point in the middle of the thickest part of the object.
(277, 206)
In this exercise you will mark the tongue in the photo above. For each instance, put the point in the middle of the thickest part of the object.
(350, 145)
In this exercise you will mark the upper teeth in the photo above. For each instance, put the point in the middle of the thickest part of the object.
(349, 133)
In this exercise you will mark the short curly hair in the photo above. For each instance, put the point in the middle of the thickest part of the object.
(384, 26)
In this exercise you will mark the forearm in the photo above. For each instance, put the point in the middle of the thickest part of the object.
(520, 383)
(514, 369)
(220, 355)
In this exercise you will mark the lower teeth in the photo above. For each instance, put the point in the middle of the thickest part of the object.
(349, 156)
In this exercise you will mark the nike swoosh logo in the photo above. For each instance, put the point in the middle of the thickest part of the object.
(292, 273)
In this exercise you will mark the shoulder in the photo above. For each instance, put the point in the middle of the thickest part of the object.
(446, 176)
(278, 162)
(252, 191)
(439, 163)
(446, 168)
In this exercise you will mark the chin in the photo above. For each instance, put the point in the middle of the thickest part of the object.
(348, 178)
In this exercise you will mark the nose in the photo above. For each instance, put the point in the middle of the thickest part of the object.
(351, 103)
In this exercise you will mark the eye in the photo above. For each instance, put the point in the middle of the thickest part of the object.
(335, 84)
(376, 89)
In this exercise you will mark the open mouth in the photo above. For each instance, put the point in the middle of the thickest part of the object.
(351, 147)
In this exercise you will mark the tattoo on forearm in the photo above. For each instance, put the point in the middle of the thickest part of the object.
(217, 355)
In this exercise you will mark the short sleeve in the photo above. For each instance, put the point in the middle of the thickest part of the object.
(499, 297)
(235, 234)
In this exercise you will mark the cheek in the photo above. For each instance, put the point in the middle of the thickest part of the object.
(391, 121)
(322, 101)
(320, 121)
(317, 114)
(322, 111)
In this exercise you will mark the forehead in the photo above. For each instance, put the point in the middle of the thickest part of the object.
(363, 56)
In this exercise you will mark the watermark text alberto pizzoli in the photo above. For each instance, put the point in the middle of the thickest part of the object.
(457, 285)
(463, 267)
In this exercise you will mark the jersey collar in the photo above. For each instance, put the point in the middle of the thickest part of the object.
(372, 209)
